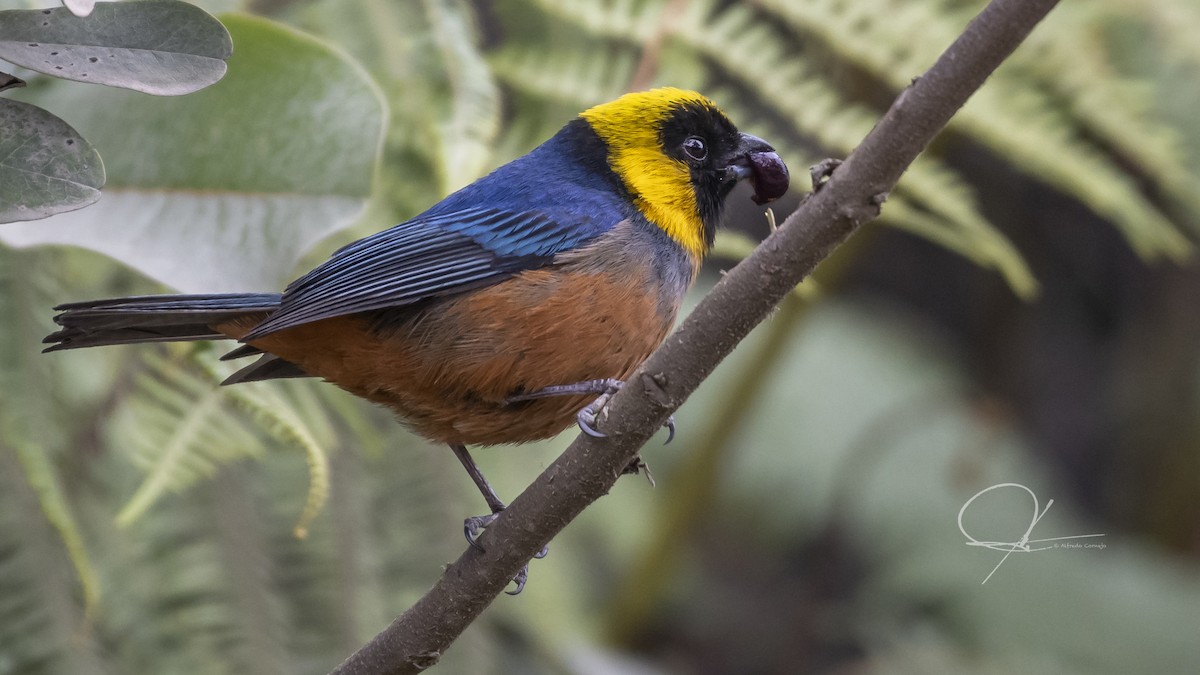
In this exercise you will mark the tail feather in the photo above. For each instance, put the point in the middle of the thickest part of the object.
(153, 318)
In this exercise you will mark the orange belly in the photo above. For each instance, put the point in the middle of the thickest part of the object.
(448, 368)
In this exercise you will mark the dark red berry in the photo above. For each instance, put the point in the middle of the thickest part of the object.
(769, 175)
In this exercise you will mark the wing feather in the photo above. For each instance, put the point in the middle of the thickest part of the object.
(432, 255)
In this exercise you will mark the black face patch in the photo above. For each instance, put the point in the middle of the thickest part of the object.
(705, 140)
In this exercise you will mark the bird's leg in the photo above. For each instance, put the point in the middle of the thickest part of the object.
(605, 386)
(590, 412)
(586, 418)
(489, 495)
(473, 525)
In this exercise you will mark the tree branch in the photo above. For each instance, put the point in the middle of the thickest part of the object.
(740, 301)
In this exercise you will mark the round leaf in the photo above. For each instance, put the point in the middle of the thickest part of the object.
(80, 7)
(46, 167)
(159, 47)
(227, 188)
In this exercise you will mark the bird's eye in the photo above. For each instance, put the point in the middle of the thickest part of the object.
(695, 149)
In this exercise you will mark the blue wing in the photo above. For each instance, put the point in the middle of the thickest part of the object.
(435, 254)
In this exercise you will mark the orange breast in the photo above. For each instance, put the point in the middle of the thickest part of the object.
(448, 368)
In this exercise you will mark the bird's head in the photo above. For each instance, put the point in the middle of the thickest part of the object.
(679, 156)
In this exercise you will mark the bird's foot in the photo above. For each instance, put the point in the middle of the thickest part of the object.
(587, 417)
(474, 526)
(523, 573)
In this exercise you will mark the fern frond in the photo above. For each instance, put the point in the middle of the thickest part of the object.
(40, 616)
(570, 75)
(876, 36)
(964, 232)
(182, 427)
(1173, 22)
(1072, 62)
(1015, 121)
(634, 20)
(280, 419)
(182, 432)
(26, 408)
(738, 42)
(1020, 125)
(261, 626)
(178, 608)
(43, 479)
(466, 131)
(955, 222)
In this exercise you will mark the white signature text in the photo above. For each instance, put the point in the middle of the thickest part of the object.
(1023, 544)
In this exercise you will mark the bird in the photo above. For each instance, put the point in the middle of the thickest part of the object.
(510, 309)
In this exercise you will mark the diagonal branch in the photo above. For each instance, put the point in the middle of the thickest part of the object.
(740, 301)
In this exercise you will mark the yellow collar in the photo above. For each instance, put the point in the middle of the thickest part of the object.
(661, 185)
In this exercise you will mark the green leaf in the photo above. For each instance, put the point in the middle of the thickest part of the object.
(40, 473)
(161, 47)
(46, 167)
(226, 189)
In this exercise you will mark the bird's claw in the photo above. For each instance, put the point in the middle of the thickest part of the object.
(523, 574)
(473, 526)
(519, 580)
(586, 418)
(588, 415)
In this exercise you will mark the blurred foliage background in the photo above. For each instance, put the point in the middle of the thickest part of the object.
(1025, 311)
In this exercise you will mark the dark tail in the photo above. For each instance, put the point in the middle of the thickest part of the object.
(152, 318)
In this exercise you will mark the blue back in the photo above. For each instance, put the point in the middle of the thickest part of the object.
(558, 197)
(567, 179)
